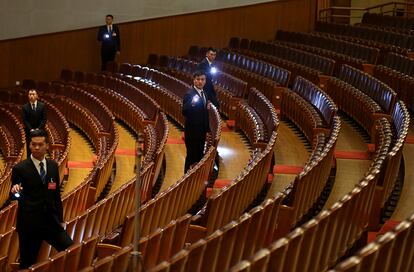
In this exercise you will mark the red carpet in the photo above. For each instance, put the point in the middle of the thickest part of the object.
(220, 183)
(287, 169)
(371, 148)
(389, 225)
(175, 141)
(209, 191)
(126, 152)
(409, 139)
(226, 129)
(230, 123)
(79, 164)
(352, 155)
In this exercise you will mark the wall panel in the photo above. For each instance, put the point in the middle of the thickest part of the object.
(42, 57)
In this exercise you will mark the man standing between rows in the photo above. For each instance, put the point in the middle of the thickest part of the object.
(36, 185)
(196, 127)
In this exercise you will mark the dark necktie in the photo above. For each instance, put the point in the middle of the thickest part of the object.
(203, 97)
(42, 173)
(33, 107)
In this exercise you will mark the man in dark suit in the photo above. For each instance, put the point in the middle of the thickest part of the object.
(36, 185)
(109, 37)
(34, 116)
(207, 66)
(195, 111)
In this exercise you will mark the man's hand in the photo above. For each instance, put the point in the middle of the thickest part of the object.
(118, 52)
(63, 224)
(17, 188)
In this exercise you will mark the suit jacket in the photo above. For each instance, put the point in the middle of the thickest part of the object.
(195, 113)
(37, 202)
(34, 119)
(110, 41)
(209, 87)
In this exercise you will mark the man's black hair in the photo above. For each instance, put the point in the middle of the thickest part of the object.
(211, 49)
(198, 73)
(39, 133)
(110, 15)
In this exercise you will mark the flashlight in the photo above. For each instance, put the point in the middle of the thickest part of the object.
(17, 195)
(195, 99)
(213, 70)
(106, 36)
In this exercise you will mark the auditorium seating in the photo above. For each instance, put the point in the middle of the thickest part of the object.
(231, 243)
(316, 244)
(256, 118)
(366, 99)
(267, 78)
(388, 22)
(320, 242)
(342, 52)
(386, 41)
(229, 88)
(309, 185)
(310, 66)
(163, 88)
(352, 50)
(378, 91)
(392, 251)
(397, 73)
(137, 110)
(12, 147)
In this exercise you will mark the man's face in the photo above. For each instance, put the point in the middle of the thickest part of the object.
(38, 147)
(199, 81)
(211, 55)
(108, 20)
(32, 96)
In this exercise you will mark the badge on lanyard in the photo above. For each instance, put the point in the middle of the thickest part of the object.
(51, 185)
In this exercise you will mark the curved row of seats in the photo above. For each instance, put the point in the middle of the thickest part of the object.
(235, 241)
(386, 41)
(398, 78)
(229, 88)
(125, 100)
(320, 242)
(357, 60)
(266, 77)
(164, 89)
(256, 118)
(389, 22)
(12, 148)
(197, 175)
(89, 114)
(389, 252)
(321, 107)
(366, 99)
(352, 50)
(377, 144)
(298, 62)
(382, 94)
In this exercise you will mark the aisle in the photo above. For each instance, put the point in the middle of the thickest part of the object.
(291, 153)
(80, 159)
(124, 156)
(352, 159)
(232, 148)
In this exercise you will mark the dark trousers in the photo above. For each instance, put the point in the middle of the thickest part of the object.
(195, 149)
(107, 56)
(30, 240)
